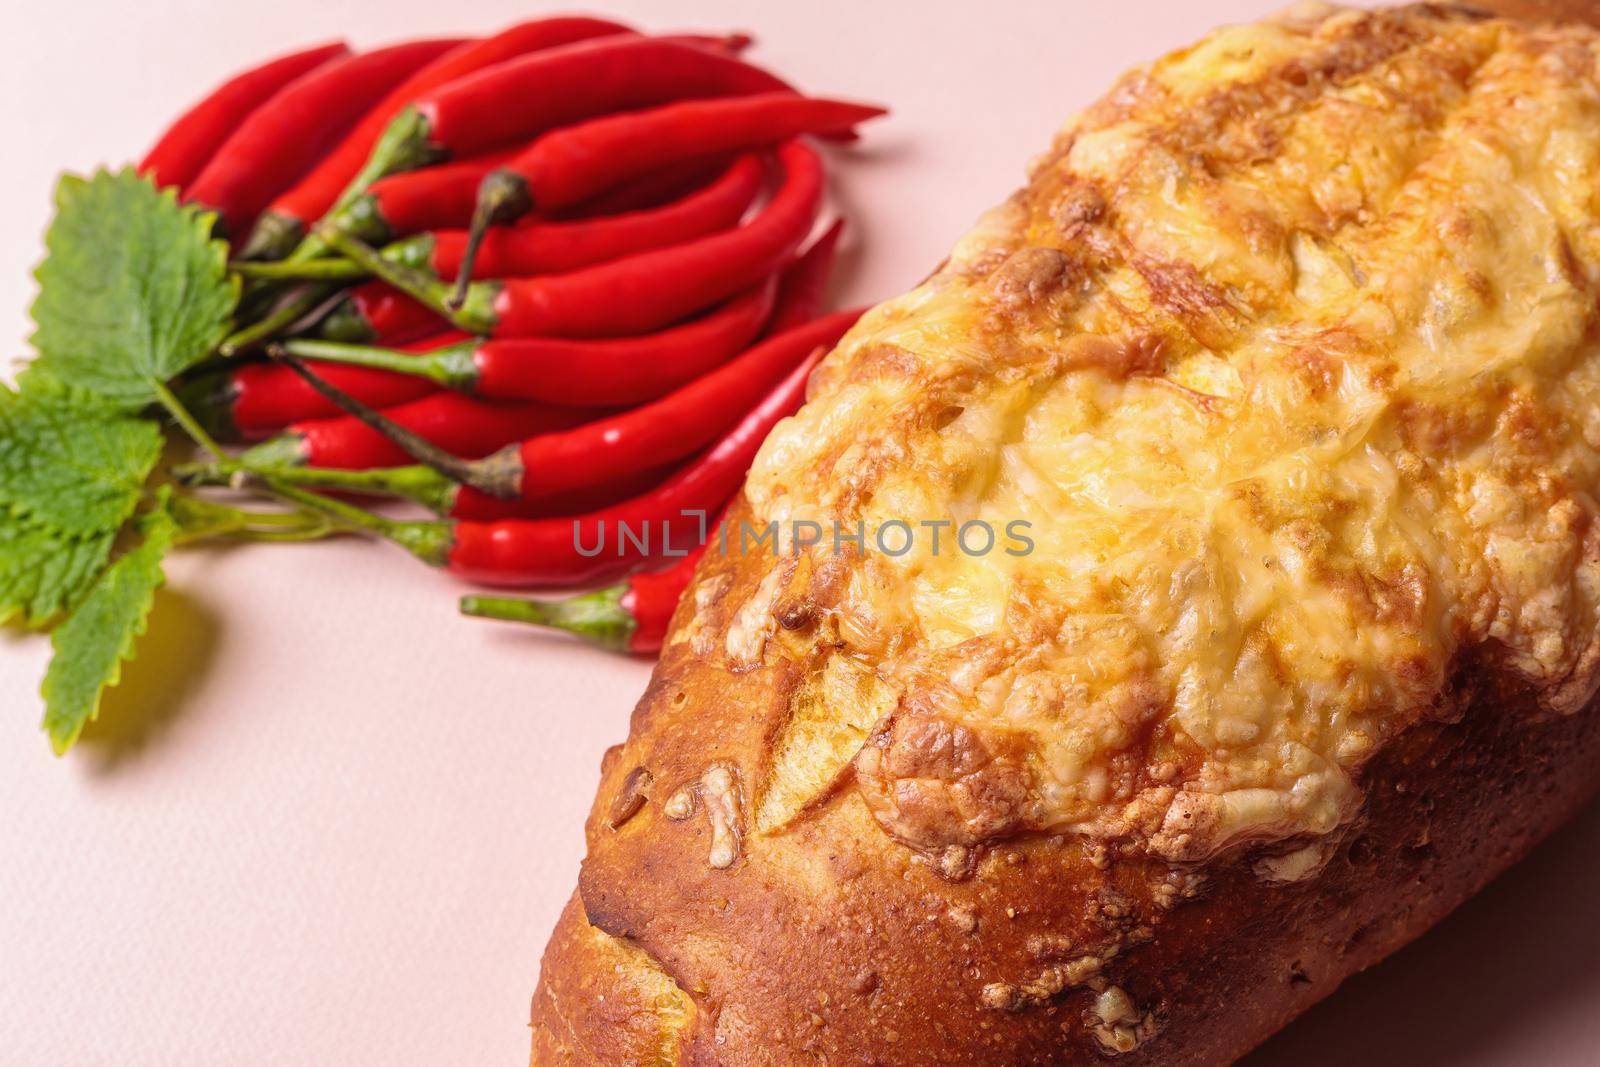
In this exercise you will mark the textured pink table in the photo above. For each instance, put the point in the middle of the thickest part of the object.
(327, 822)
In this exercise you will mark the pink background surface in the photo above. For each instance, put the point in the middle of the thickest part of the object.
(326, 821)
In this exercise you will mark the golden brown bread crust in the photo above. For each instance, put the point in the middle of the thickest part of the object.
(704, 932)
(887, 966)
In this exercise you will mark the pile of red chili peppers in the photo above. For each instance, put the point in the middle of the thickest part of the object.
(547, 283)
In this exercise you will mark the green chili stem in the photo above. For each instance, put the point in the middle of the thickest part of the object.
(452, 366)
(295, 307)
(503, 197)
(329, 270)
(499, 475)
(200, 519)
(428, 541)
(475, 314)
(598, 616)
(190, 425)
(419, 484)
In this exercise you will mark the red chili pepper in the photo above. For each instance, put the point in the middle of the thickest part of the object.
(675, 203)
(648, 190)
(569, 165)
(435, 197)
(283, 455)
(542, 247)
(259, 398)
(568, 502)
(514, 101)
(596, 373)
(335, 177)
(265, 399)
(805, 282)
(678, 424)
(284, 137)
(650, 290)
(652, 598)
(593, 455)
(622, 372)
(604, 373)
(432, 198)
(612, 447)
(374, 313)
(631, 616)
(190, 142)
(460, 425)
(580, 550)
(635, 295)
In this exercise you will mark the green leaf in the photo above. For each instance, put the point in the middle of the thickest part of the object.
(99, 634)
(73, 466)
(43, 571)
(133, 289)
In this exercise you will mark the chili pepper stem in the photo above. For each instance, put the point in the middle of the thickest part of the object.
(276, 453)
(503, 197)
(274, 237)
(415, 251)
(315, 532)
(195, 475)
(319, 270)
(209, 400)
(499, 475)
(296, 306)
(451, 367)
(360, 219)
(304, 262)
(405, 145)
(201, 519)
(257, 299)
(188, 422)
(476, 313)
(598, 616)
(421, 485)
(345, 323)
(429, 541)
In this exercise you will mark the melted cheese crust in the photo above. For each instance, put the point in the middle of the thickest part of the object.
(1288, 354)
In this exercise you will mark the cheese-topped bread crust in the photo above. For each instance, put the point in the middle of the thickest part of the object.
(1242, 463)
(1285, 353)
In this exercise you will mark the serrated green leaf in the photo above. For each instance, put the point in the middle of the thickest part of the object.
(133, 289)
(43, 571)
(78, 468)
(92, 643)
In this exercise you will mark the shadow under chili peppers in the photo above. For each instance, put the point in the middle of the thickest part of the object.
(845, 164)
(172, 659)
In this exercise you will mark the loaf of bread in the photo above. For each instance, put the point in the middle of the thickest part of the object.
(1181, 600)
